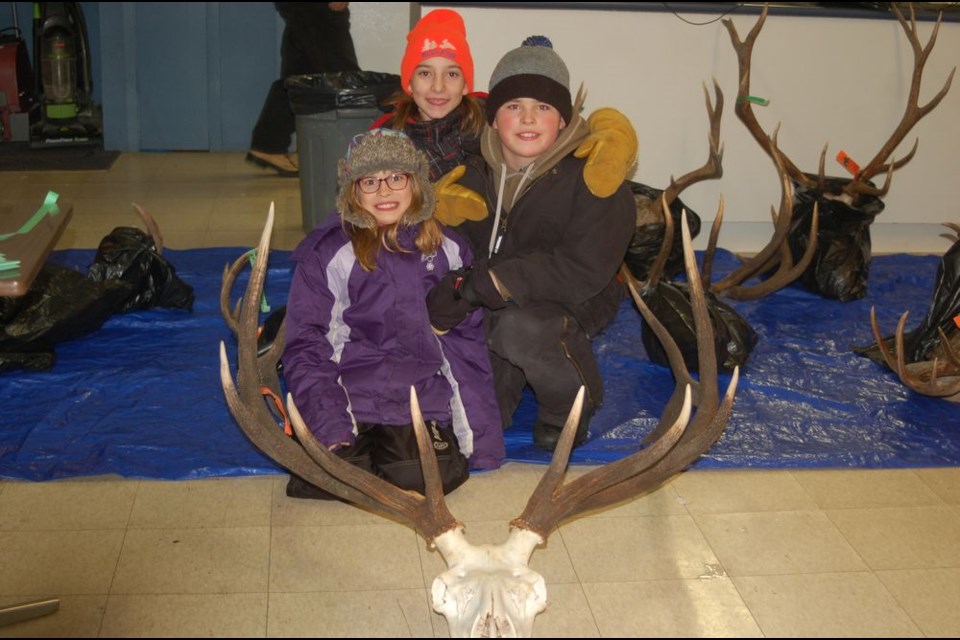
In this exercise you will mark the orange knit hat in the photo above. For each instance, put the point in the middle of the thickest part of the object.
(440, 33)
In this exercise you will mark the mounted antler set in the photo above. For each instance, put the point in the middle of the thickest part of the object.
(928, 359)
(487, 590)
(913, 113)
(848, 206)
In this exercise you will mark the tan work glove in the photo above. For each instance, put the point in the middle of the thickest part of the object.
(456, 203)
(610, 149)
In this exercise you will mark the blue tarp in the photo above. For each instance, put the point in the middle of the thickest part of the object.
(141, 397)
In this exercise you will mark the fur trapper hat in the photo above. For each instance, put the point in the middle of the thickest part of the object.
(383, 150)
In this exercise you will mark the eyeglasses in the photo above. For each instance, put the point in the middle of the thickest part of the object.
(395, 181)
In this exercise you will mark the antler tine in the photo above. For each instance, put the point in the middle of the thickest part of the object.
(426, 514)
(712, 243)
(713, 167)
(913, 112)
(732, 285)
(656, 268)
(897, 362)
(153, 229)
(248, 408)
(230, 273)
(676, 448)
(743, 108)
(931, 387)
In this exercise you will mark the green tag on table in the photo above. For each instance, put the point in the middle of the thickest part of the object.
(49, 207)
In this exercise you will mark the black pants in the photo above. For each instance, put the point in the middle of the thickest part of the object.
(542, 345)
(315, 40)
(390, 452)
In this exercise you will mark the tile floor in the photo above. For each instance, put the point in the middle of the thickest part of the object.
(727, 553)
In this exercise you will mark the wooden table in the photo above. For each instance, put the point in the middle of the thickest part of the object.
(31, 248)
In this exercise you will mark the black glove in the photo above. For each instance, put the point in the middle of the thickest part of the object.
(476, 287)
(445, 306)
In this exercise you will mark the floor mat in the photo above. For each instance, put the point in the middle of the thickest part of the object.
(141, 397)
(18, 156)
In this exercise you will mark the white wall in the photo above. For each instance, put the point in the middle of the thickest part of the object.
(837, 80)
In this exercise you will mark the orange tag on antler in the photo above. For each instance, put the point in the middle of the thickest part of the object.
(956, 321)
(848, 163)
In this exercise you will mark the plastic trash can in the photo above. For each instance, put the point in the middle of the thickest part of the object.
(330, 109)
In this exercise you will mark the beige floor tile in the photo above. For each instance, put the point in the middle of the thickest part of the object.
(778, 542)
(567, 615)
(180, 213)
(222, 502)
(128, 191)
(241, 214)
(60, 181)
(930, 596)
(236, 615)
(902, 538)
(66, 505)
(644, 548)
(185, 239)
(731, 491)
(551, 561)
(497, 495)
(77, 617)
(297, 512)
(350, 614)
(671, 608)
(826, 605)
(859, 488)
(245, 238)
(346, 558)
(180, 561)
(58, 563)
(945, 482)
(243, 186)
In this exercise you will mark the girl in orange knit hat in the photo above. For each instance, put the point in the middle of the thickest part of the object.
(437, 108)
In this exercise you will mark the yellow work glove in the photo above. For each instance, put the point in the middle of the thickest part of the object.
(456, 203)
(610, 149)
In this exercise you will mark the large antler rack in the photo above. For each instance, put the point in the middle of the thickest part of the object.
(923, 377)
(713, 167)
(912, 113)
(671, 448)
(744, 108)
(775, 254)
(427, 514)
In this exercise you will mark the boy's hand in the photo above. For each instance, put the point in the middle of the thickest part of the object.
(610, 149)
(456, 203)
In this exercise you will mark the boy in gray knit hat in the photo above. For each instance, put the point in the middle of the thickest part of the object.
(549, 250)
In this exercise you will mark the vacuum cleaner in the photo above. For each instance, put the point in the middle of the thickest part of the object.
(67, 114)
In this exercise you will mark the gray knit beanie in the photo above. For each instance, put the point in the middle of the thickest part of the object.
(383, 150)
(532, 70)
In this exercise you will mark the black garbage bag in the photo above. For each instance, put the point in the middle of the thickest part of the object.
(923, 343)
(648, 236)
(62, 304)
(841, 261)
(734, 338)
(130, 255)
(321, 92)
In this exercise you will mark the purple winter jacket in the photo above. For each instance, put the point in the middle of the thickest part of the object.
(357, 341)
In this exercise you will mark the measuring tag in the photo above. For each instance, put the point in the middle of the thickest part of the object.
(848, 163)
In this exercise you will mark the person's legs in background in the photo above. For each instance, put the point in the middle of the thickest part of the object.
(316, 39)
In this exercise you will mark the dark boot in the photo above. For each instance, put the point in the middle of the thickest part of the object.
(546, 435)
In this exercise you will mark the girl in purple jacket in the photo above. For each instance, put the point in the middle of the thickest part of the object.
(358, 333)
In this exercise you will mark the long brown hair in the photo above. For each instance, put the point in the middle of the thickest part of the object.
(471, 110)
(367, 242)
